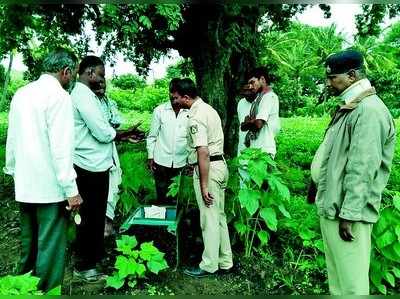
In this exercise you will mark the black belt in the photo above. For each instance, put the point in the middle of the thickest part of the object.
(212, 159)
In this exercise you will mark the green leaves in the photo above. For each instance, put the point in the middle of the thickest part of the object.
(145, 21)
(115, 281)
(19, 285)
(263, 195)
(126, 244)
(249, 199)
(269, 215)
(134, 264)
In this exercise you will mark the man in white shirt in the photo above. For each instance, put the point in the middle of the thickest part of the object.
(262, 123)
(39, 153)
(243, 110)
(167, 145)
(93, 159)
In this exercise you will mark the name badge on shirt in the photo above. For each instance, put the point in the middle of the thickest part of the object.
(193, 129)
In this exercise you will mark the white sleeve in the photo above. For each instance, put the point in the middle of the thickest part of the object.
(10, 145)
(153, 133)
(60, 125)
(88, 108)
(265, 108)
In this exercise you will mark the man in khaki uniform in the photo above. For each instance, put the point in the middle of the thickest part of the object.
(206, 143)
(351, 169)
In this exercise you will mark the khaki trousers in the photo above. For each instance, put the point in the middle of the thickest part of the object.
(217, 247)
(347, 262)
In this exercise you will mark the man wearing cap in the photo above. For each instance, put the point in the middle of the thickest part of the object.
(206, 143)
(350, 169)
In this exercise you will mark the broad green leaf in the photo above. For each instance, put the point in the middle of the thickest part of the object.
(55, 291)
(396, 201)
(140, 270)
(257, 172)
(126, 243)
(240, 228)
(125, 267)
(387, 238)
(389, 278)
(157, 266)
(381, 288)
(283, 210)
(269, 215)
(306, 234)
(397, 231)
(320, 245)
(145, 21)
(263, 236)
(396, 272)
(148, 250)
(249, 199)
(114, 281)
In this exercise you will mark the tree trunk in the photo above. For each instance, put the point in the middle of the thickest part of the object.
(219, 67)
(3, 102)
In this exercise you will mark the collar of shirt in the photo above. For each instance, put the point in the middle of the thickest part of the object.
(354, 90)
(198, 101)
(47, 77)
(85, 87)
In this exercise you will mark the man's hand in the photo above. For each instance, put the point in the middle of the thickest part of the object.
(74, 203)
(207, 198)
(151, 165)
(345, 230)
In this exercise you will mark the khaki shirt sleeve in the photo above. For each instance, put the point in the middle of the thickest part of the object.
(198, 132)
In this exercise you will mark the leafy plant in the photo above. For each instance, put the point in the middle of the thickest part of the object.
(128, 81)
(137, 183)
(133, 263)
(385, 259)
(262, 198)
(25, 284)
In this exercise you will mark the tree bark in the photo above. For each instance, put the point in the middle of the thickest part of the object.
(3, 102)
(219, 67)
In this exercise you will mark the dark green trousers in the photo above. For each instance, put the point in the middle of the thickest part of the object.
(44, 241)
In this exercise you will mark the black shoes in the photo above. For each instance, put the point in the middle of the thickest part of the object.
(197, 272)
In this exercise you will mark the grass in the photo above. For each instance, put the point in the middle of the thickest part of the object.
(286, 266)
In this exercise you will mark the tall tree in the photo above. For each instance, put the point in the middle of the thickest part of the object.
(221, 41)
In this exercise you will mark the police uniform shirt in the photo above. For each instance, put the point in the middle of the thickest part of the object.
(205, 129)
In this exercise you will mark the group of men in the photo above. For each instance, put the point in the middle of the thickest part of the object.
(60, 150)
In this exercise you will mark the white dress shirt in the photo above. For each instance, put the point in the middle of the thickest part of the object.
(40, 142)
(268, 110)
(243, 110)
(93, 133)
(167, 139)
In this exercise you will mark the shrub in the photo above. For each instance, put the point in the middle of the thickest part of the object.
(128, 82)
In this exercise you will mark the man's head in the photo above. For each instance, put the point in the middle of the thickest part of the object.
(184, 92)
(92, 72)
(172, 85)
(259, 79)
(101, 91)
(62, 64)
(247, 92)
(343, 69)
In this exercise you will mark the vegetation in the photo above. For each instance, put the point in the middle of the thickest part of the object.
(275, 233)
(133, 264)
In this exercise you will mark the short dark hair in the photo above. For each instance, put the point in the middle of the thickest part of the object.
(185, 87)
(89, 61)
(172, 84)
(259, 72)
(58, 60)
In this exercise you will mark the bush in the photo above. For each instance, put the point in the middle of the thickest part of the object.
(128, 82)
(143, 99)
